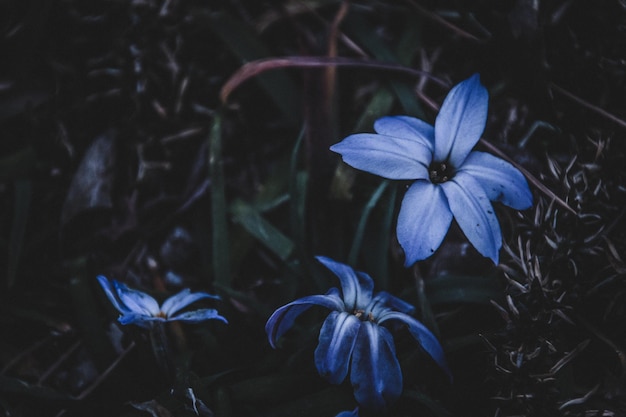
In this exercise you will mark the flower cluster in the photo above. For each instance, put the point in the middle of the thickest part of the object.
(139, 308)
(352, 335)
(450, 180)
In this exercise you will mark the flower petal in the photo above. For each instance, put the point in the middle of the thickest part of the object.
(407, 127)
(353, 413)
(375, 372)
(474, 214)
(138, 319)
(182, 300)
(110, 293)
(136, 301)
(423, 221)
(396, 158)
(357, 288)
(336, 341)
(384, 301)
(198, 315)
(461, 121)
(427, 340)
(282, 319)
(501, 180)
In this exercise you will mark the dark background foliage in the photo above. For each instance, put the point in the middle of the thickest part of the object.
(118, 156)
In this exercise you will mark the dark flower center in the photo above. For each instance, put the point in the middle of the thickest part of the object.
(360, 314)
(440, 172)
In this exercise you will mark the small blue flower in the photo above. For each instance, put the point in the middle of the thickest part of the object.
(352, 335)
(139, 308)
(450, 179)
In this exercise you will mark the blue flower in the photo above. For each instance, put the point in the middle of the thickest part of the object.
(449, 179)
(139, 308)
(352, 335)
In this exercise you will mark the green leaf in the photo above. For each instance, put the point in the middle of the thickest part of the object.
(365, 214)
(23, 196)
(221, 266)
(261, 229)
(378, 238)
(18, 164)
(297, 196)
(426, 401)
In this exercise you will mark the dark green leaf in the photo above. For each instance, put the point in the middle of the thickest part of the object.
(428, 402)
(261, 229)
(365, 214)
(221, 258)
(18, 164)
(23, 195)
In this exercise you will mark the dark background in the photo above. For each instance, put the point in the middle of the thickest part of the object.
(119, 157)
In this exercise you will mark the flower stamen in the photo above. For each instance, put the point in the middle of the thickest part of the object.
(439, 172)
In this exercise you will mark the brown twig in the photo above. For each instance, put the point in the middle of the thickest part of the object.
(25, 352)
(254, 68)
(530, 177)
(588, 105)
(104, 375)
(443, 22)
(331, 70)
(59, 362)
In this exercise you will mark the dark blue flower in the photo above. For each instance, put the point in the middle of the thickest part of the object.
(449, 179)
(139, 308)
(352, 337)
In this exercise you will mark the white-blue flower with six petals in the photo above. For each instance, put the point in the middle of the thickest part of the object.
(139, 308)
(352, 336)
(450, 180)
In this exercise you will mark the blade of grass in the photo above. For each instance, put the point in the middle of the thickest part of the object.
(262, 230)
(376, 257)
(365, 214)
(220, 245)
(23, 196)
(424, 304)
(298, 180)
